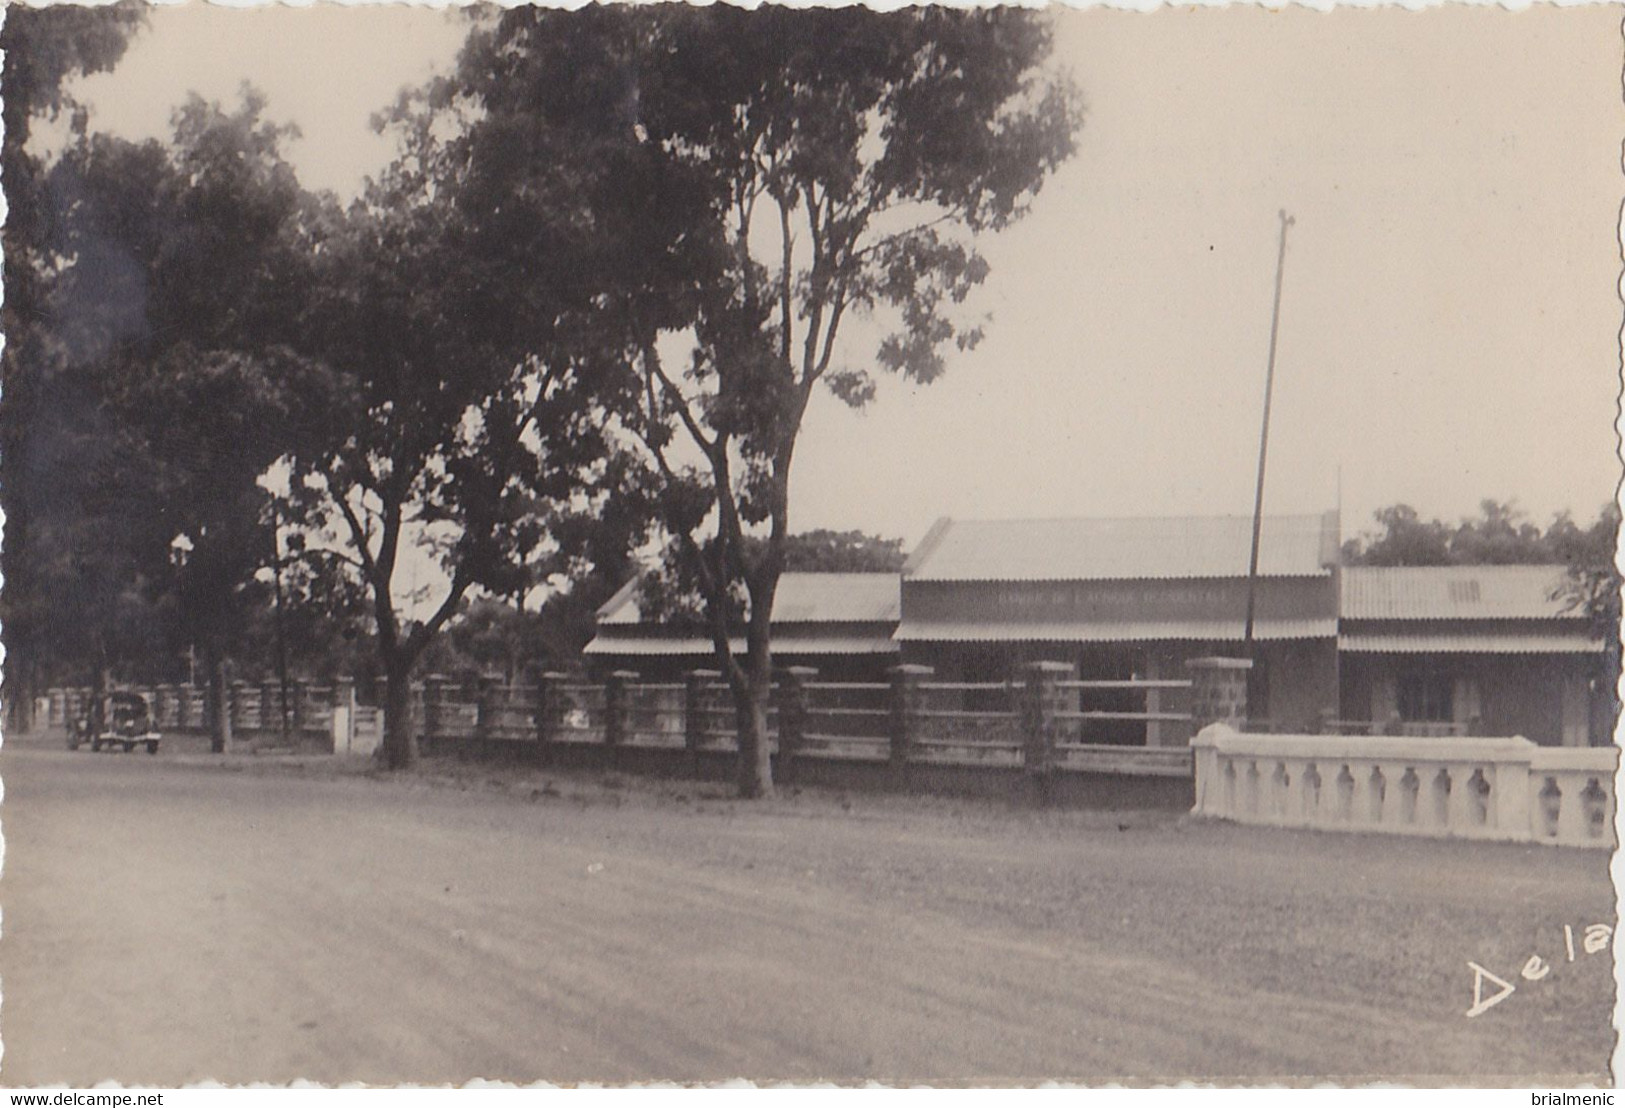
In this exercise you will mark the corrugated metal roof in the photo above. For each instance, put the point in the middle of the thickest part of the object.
(801, 598)
(1452, 592)
(1218, 630)
(649, 646)
(1123, 549)
(1497, 643)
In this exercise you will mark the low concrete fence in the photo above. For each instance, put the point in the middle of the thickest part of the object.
(1041, 733)
(1504, 789)
(320, 718)
(911, 732)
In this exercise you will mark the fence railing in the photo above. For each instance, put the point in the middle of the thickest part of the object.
(308, 714)
(1047, 721)
(1038, 724)
(1508, 789)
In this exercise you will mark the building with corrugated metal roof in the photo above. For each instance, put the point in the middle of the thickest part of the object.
(1481, 650)
(1130, 598)
(1487, 650)
(839, 623)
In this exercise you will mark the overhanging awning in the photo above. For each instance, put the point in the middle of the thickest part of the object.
(1218, 630)
(1468, 643)
(651, 647)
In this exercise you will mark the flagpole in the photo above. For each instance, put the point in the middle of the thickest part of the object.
(1264, 439)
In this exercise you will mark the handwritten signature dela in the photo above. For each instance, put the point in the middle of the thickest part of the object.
(1595, 939)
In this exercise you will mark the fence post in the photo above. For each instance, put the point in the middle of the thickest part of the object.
(298, 712)
(1041, 698)
(485, 706)
(472, 695)
(547, 713)
(696, 712)
(792, 704)
(343, 714)
(270, 710)
(1218, 692)
(617, 724)
(236, 703)
(380, 698)
(906, 702)
(434, 701)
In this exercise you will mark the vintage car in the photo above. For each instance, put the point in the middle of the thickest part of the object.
(126, 723)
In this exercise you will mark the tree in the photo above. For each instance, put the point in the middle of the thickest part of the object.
(1499, 535)
(44, 49)
(1591, 584)
(431, 428)
(842, 552)
(1405, 540)
(170, 381)
(755, 180)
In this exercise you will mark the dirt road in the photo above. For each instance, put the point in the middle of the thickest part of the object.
(167, 922)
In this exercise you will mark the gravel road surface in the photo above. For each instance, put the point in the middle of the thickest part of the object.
(169, 920)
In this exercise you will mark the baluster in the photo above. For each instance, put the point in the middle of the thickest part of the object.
(1571, 816)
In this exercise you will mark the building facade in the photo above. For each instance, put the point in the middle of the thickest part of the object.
(1130, 599)
(1476, 650)
(1481, 650)
(838, 623)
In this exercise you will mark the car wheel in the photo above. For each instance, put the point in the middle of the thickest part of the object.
(152, 746)
(95, 746)
(129, 747)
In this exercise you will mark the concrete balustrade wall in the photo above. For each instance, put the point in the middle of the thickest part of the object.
(1503, 789)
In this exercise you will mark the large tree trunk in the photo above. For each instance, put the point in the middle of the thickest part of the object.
(755, 767)
(751, 706)
(754, 694)
(399, 749)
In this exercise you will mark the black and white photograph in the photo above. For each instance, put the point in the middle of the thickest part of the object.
(939, 546)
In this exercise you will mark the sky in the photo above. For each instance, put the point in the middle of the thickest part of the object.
(1450, 315)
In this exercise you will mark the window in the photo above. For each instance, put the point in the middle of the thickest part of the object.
(1464, 592)
(1425, 698)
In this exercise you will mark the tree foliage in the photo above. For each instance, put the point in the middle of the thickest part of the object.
(1499, 534)
(152, 387)
(826, 551)
(449, 417)
(749, 181)
(45, 48)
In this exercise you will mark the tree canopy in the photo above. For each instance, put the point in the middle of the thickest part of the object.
(1500, 534)
(750, 181)
(448, 414)
(155, 391)
(44, 49)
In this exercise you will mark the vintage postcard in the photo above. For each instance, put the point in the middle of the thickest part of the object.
(948, 546)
